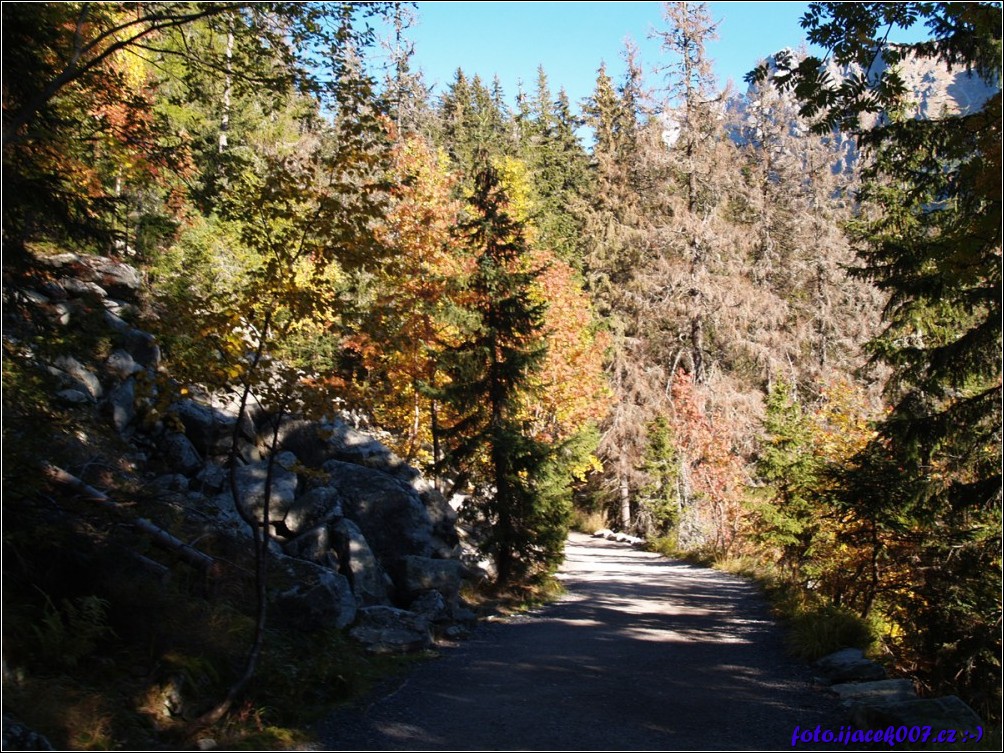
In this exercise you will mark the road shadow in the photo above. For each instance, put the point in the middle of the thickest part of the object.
(641, 653)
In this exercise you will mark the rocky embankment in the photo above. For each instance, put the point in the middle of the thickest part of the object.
(360, 538)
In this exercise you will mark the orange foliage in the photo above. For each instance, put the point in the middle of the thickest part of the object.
(716, 476)
(570, 389)
(405, 328)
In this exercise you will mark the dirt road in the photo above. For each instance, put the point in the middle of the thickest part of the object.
(642, 653)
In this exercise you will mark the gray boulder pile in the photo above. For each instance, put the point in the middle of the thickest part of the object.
(360, 539)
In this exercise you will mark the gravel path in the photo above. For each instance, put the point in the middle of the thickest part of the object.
(642, 653)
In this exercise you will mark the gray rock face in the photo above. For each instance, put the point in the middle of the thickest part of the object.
(251, 481)
(210, 432)
(122, 401)
(315, 443)
(81, 288)
(878, 691)
(387, 630)
(120, 280)
(338, 534)
(389, 512)
(17, 736)
(315, 546)
(419, 575)
(431, 605)
(212, 479)
(171, 482)
(876, 703)
(181, 453)
(73, 397)
(78, 377)
(446, 542)
(850, 665)
(121, 365)
(318, 598)
(228, 406)
(353, 446)
(142, 345)
(358, 563)
(318, 506)
(305, 439)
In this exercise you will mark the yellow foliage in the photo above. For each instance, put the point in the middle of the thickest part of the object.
(515, 178)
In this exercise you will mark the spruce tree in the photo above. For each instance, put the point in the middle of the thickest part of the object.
(487, 375)
(786, 508)
(559, 165)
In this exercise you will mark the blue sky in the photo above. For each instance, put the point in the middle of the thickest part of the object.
(570, 39)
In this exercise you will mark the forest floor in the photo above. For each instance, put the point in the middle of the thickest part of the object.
(641, 653)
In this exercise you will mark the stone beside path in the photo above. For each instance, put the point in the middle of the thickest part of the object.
(873, 702)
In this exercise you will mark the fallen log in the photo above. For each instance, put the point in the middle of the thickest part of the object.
(160, 536)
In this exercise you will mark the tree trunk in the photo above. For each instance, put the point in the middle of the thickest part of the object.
(625, 493)
(227, 87)
(436, 455)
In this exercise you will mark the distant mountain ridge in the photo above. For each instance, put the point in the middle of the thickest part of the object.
(936, 92)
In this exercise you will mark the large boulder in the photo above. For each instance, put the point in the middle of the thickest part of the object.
(946, 713)
(419, 575)
(120, 280)
(83, 288)
(316, 443)
(315, 546)
(878, 691)
(387, 511)
(180, 453)
(306, 439)
(318, 506)
(121, 365)
(850, 665)
(212, 479)
(75, 375)
(387, 630)
(142, 346)
(358, 563)
(122, 404)
(19, 736)
(251, 480)
(353, 446)
(446, 542)
(315, 598)
(227, 405)
(210, 431)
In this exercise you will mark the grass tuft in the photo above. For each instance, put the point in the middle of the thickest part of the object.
(814, 633)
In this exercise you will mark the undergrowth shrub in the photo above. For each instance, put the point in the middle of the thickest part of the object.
(816, 632)
(588, 521)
